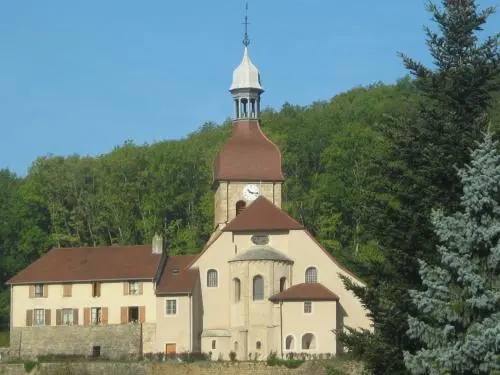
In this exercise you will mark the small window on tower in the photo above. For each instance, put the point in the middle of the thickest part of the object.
(240, 206)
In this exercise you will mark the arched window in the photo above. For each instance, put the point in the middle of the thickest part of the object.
(240, 206)
(289, 344)
(214, 344)
(237, 289)
(236, 346)
(258, 288)
(212, 279)
(308, 341)
(282, 284)
(311, 275)
(258, 345)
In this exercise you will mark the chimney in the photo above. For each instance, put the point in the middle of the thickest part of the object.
(157, 244)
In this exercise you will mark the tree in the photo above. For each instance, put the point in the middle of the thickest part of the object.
(460, 303)
(454, 99)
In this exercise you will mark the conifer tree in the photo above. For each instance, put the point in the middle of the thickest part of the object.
(455, 98)
(459, 323)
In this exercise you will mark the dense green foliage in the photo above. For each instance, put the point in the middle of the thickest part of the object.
(363, 172)
(419, 172)
(460, 304)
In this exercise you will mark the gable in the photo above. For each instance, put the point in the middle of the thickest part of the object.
(262, 215)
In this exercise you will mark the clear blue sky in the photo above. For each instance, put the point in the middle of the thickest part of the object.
(84, 76)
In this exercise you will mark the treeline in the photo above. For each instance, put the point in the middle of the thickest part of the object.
(128, 195)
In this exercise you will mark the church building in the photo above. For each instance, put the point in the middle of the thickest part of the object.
(261, 284)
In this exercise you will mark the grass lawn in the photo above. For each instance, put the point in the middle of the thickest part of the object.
(4, 338)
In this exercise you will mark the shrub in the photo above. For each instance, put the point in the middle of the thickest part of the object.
(273, 360)
(232, 356)
(29, 366)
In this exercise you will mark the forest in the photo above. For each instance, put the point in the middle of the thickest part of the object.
(364, 172)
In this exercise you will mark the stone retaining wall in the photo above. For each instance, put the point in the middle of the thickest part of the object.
(115, 341)
(135, 368)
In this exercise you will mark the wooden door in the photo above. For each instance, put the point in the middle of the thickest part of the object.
(170, 349)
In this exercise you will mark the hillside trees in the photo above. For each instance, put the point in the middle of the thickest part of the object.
(454, 99)
(459, 322)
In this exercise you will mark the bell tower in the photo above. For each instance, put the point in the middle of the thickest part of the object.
(249, 164)
(246, 87)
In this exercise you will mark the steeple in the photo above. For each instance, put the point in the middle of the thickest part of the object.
(246, 87)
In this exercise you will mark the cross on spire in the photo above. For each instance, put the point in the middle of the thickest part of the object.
(246, 39)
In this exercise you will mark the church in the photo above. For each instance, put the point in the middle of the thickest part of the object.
(261, 284)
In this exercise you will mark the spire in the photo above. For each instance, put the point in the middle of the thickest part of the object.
(246, 39)
(246, 87)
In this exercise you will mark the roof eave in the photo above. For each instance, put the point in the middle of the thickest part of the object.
(79, 281)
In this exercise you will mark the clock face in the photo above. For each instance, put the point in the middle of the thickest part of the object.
(251, 192)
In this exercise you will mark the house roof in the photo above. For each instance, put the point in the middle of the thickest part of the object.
(305, 292)
(177, 278)
(91, 263)
(262, 215)
(248, 155)
(262, 253)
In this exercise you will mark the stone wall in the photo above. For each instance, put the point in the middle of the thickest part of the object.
(115, 341)
(144, 368)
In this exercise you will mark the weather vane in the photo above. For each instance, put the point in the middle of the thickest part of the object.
(246, 39)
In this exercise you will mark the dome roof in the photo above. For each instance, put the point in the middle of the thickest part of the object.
(262, 253)
(248, 155)
(246, 75)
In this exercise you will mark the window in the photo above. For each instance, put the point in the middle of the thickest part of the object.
(133, 287)
(258, 345)
(282, 284)
(171, 307)
(133, 314)
(237, 290)
(96, 351)
(214, 346)
(307, 307)
(38, 290)
(212, 279)
(311, 275)
(308, 341)
(236, 346)
(240, 206)
(67, 290)
(96, 289)
(38, 317)
(258, 288)
(289, 344)
(95, 315)
(67, 317)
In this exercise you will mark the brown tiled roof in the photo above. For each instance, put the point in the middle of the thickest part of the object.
(177, 278)
(248, 155)
(262, 215)
(305, 292)
(91, 263)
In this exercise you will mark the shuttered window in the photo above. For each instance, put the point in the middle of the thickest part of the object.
(67, 317)
(38, 290)
(38, 317)
(96, 315)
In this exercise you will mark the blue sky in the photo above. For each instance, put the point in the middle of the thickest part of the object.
(84, 76)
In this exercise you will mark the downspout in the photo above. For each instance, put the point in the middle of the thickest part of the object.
(190, 322)
(281, 328)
